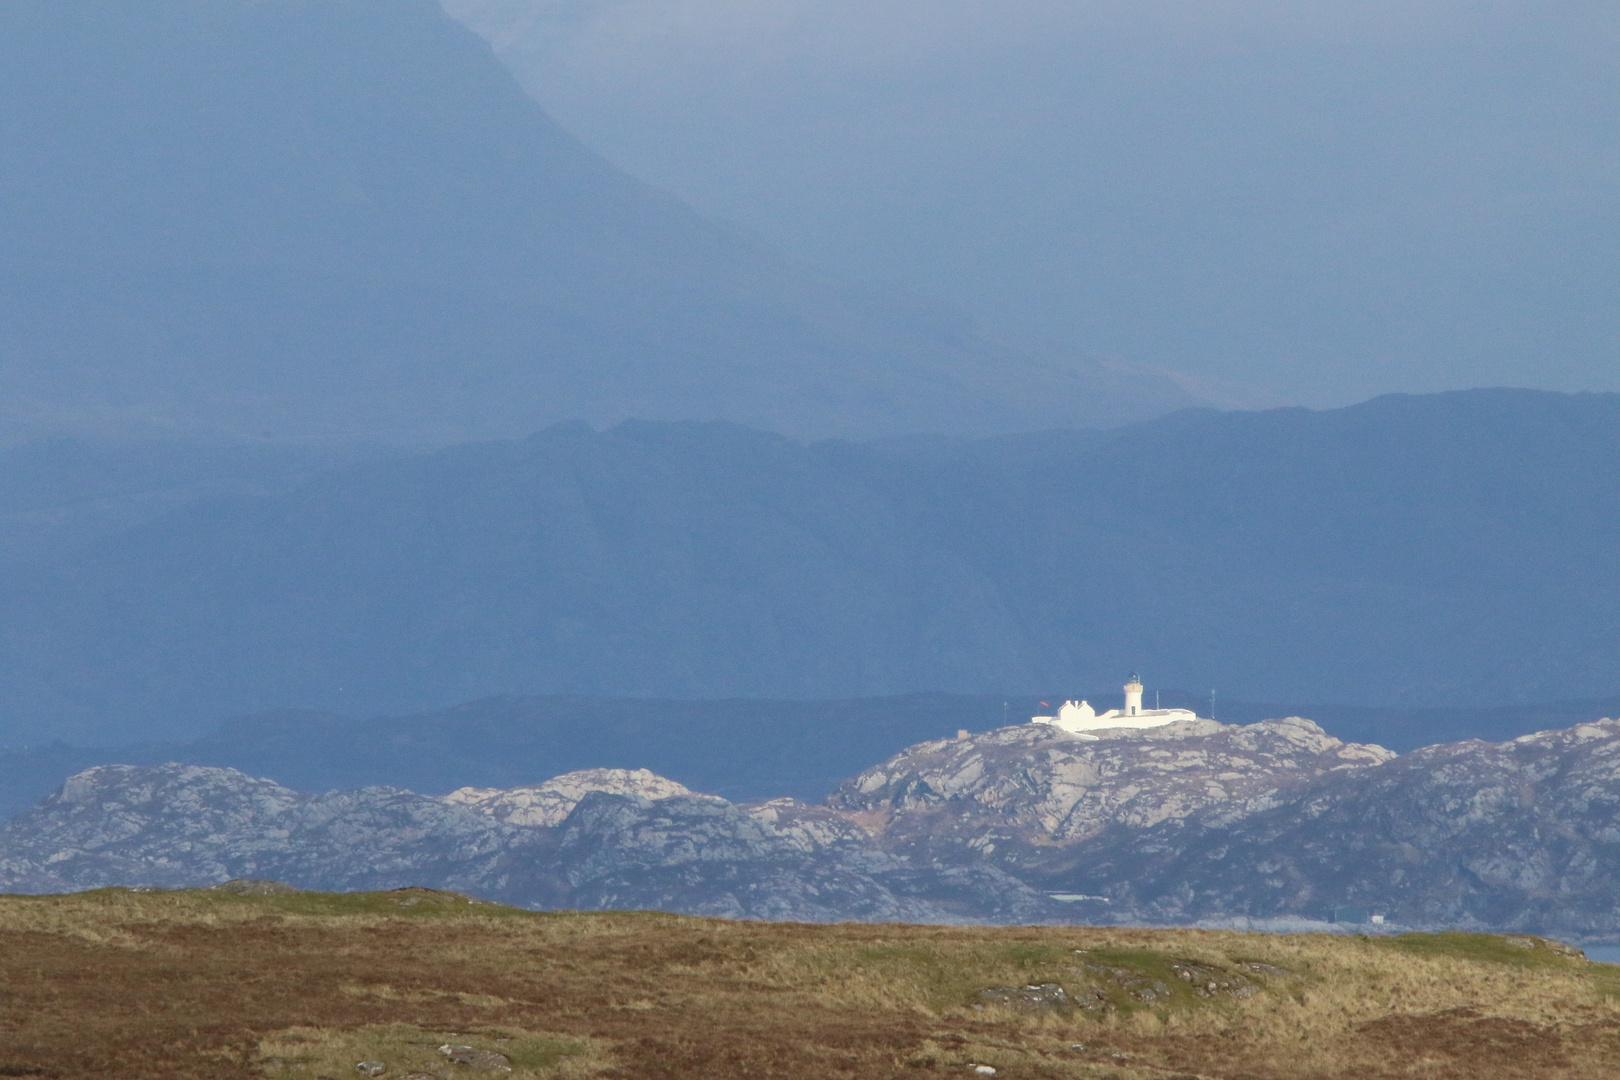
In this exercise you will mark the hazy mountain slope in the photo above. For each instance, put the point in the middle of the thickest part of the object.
(344, 217)
(1453, 549)
(674, 560)
(1229, 550)
(57, 495)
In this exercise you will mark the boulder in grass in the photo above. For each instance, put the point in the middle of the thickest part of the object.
(472, 1057)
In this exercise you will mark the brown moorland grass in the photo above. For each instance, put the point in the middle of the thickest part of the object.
(209, 984)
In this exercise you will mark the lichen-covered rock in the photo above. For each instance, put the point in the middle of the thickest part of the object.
(551, 802)
(474, 1058)
(808, 827)
(1042, 997)
(1197, 822)
(178, 826)
(1208, 981)
(1523, 835)
(1021, 796)
(184, 825)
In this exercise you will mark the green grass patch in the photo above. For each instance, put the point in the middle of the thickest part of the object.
(1026, 955)
(409, 903)
(1143, 960)
(1513, 950)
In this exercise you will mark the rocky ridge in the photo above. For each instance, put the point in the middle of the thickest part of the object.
(1021, 796)
(181, 825)
(1186, 823)
(1520, 835)
(550, 803)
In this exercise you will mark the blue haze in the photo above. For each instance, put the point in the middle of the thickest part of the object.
(1326, 199)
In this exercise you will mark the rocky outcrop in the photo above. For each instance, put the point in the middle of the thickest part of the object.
(708, 857)
(187, 825)
(1190, 822)
(1271, 821)
(1023, 797)
(551, 802)
(1523, 835)
(181, 825)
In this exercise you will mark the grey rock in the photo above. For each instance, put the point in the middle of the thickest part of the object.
(1022, 797)
(175, 826)
(186, 826)
(1206, 980)
(551, 802)
(1267, 826)
(474, 1058)
(1044, 997)
(1521, 836)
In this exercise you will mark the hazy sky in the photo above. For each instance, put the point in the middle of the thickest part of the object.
(1326, 199)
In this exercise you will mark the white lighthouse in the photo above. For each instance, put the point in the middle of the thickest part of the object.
(1133, 695)
(1079, 716)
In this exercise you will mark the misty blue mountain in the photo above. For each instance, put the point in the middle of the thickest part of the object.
(1330, 200)
(346, 219)
(57, 494)
(1448, 550)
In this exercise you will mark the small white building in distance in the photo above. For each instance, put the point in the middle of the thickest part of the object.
(1078, 716)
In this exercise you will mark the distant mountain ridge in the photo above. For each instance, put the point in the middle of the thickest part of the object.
(344, 219)
(1440, 551)
(1267, 824)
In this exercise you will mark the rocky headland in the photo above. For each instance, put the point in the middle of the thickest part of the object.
(1186, 823)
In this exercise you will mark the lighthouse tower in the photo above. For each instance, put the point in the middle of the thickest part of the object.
(1133, 695)
(1080, 719)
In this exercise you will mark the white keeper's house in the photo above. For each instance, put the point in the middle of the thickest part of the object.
(1079, 716)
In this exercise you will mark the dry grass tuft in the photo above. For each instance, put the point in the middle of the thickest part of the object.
(306, 985)
(310, 1053)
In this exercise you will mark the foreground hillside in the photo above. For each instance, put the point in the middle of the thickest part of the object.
(295, 986)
